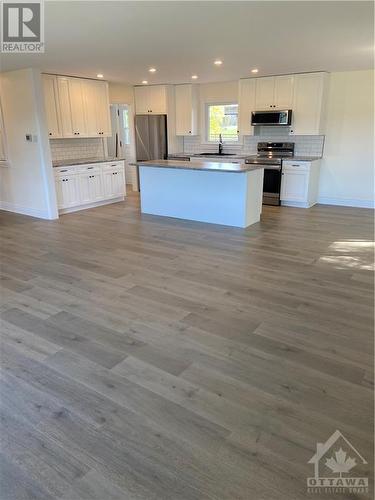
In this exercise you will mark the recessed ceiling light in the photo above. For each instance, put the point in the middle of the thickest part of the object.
(255, 70)
(99, 75)
(194, 77)
(152, 70)
(145, 82)
(218, 62)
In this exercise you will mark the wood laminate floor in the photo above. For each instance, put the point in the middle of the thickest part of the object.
(147, 358)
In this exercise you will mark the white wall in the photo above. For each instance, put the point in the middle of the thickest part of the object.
(26, 185)
(347, 171)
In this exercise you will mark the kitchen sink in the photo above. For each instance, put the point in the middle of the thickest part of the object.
(215, 154)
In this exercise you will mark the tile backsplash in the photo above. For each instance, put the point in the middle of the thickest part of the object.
(73, 149)
(305, 145)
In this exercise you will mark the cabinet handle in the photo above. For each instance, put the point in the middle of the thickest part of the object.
(90, 168)
(63, 170)
(50, 133)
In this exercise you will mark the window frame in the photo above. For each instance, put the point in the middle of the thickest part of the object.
(207, 121)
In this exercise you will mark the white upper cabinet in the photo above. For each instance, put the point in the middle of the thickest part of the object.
(186, 109)
(96, 108)
(283, 93)
(76, 107)
(151, 99)
(308, 104)
(246, 104)
(264, 93)
(274, 92)
(51, 104)
(64, 105)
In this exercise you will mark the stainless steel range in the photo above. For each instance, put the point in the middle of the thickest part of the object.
(271, 154)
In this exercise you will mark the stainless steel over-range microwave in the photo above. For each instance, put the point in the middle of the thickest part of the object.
(275, 117)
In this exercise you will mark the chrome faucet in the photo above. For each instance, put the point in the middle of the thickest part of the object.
(220, 145)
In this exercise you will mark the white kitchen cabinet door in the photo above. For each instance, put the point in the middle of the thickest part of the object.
(96, 104)
(77, 107)
(150, 99)
(52, 106)
(114, 183)
(308, 103)
(283, 94)
(64, 104)
(102, 109)
(264, 98)
(294, 185)
(157, 99)
(67, 191)
(90, 187)
(186, 109)
(246, 105)
(142, 101)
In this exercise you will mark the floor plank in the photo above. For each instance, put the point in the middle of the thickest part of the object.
(150, 358)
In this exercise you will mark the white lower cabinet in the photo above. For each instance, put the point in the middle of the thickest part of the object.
(81, 186)
(299, 183)
(67, 191)
(113, 183)
(90, 187)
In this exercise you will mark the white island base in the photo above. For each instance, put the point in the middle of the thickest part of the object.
(228, 198)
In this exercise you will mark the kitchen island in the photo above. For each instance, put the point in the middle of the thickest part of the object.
(205, 191)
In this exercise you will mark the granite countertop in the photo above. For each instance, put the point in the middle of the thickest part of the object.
(199, 165)
(83, 161)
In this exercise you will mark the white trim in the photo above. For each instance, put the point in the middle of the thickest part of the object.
(297, 204)
(19, 209)
(346, 202)
(91, 205)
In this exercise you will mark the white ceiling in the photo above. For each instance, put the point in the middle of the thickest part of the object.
(123, 39)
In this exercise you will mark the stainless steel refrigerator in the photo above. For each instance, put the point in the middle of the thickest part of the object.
(151, 137)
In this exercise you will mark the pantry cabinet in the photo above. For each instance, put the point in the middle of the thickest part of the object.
(186, 109)
(274, 92)
(246, 104)
(150, 100)
(82, 186)
(76, 107)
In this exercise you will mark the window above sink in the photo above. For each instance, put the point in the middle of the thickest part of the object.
(222, 118)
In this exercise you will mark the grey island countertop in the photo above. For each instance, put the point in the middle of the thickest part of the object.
(210, 166)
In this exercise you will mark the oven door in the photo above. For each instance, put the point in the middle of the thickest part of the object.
(271, 185)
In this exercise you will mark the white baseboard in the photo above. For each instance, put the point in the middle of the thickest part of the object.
(19, 209)
(90, 205)
(297, 204)
(346, 202)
